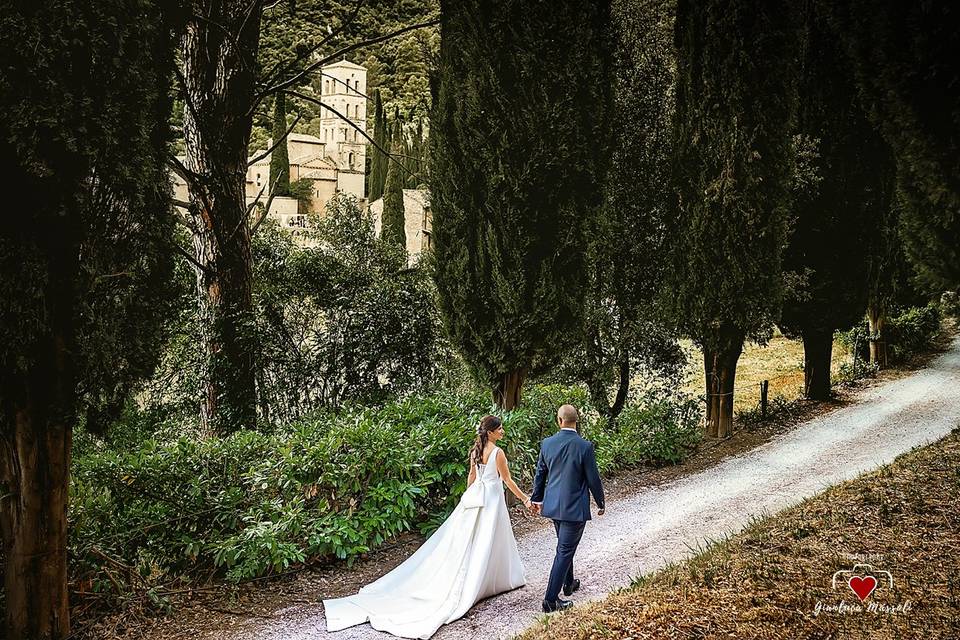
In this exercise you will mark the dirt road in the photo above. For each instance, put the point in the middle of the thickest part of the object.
(660, 525)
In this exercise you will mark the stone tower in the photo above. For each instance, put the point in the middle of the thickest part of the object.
(343, 87)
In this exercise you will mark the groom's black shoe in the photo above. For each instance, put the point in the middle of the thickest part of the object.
(568, 591)
(559, 605)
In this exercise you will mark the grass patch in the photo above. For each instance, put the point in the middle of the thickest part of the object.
(780, 362)
(774, 579)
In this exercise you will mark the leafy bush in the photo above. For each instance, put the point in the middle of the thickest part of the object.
(342, 321)
(913, 330)
(332, 485)
(855, 370)
(907, 332)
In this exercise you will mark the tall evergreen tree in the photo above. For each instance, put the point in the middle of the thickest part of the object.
(280, 156)
(378, 164)
(624, 328)
(85, 264)
(736, 103)
(415, 177)
(392, 219)
(519, 138)
(903, 57)
(840, 222)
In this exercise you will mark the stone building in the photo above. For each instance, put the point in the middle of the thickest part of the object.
(334, 162)
(417, 222)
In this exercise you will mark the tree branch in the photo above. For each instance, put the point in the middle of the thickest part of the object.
(266, 209)
(275, 144)
(186, 254)
(350, 122)
(326, 60)
(277, 71)
(336, 79)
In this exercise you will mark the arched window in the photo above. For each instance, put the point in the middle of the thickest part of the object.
(326, 86)
(355, 135)
(350, 159)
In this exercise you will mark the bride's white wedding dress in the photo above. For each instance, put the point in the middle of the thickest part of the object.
(471, 556)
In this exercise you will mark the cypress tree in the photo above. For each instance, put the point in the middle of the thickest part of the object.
(841, 220)
(930, 233)
(280, 157)
(378, 164)
(903, 56)
(735, 107)
(519, 144)
(392, 220)
(624, 325)
(85, 265)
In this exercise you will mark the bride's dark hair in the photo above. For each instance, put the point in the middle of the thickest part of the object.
(487, 424)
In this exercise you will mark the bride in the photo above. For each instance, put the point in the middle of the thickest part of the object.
(471, 556)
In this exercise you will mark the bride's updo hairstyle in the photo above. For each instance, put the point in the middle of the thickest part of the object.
(487, 424)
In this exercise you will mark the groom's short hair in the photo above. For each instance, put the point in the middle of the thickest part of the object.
(568, 413)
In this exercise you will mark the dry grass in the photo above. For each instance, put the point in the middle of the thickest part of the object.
(766, 581)
(780, 362)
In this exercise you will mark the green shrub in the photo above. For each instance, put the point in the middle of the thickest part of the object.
(851, 371)
(330, 486)
(906, 332)
(913, 330)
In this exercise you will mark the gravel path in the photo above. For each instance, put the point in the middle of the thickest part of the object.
(660, 525)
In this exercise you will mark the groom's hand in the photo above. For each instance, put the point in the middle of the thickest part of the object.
(600, 512)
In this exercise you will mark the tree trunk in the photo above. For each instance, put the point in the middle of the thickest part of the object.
(506, 394)
(38, 412)
(707, 378)
(878, 346)
(218, 73)
(623, 389)
(720, 371)
(817, 350)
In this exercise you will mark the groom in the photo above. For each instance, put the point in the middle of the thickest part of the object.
(566, 468)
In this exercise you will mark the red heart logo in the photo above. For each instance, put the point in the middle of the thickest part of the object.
(863, 587)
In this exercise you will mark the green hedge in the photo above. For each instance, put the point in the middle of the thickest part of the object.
(332, 486)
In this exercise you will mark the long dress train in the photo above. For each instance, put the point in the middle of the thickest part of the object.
(471, 556)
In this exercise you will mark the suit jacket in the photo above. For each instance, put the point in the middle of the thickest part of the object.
(566, 469)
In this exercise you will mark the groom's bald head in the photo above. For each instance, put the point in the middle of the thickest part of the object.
(568, 416)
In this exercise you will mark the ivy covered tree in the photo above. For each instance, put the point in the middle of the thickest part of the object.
(839, 224)
(224, 83)
(736, 104)
(280, 156)
(218, 74)
(519, 138)
(392, 221)
(85, 264)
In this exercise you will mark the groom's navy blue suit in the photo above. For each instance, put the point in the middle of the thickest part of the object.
(566, 476)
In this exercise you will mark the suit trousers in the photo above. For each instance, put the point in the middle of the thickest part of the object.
(569, 533)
